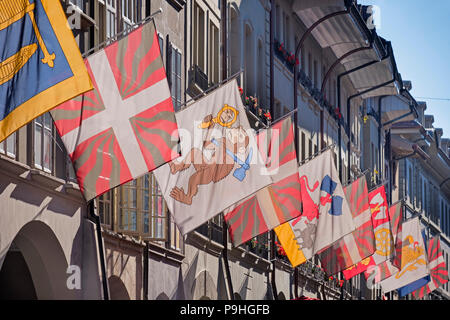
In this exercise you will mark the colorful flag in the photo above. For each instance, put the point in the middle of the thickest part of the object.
(326, 215)
(277, 203)
(41, 65)
(126, 126)
(380, 222)
(413, 257)
(358, 245)
(413, 286)
(436, 268)
(220, 163)
(392, 264)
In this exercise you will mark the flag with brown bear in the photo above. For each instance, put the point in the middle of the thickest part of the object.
(220, 163)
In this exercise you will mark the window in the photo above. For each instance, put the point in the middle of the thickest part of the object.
(334, 94)
(161, 44)
(8, 146)
(261, 71)
(249, 62)
(128, 206)
(309, 66)
(286, 35)
(43, 142)
(111, 22)
(128, 13)
(315, 80)
(156, 227)
(176, 239)
(302, 57)
(310, 149)
(174, 71)
(277, 110)
(199, 37)
(410, 184)
(104, 208)
(303, 146)
(213, 54)
(142, 210)
(278, 22)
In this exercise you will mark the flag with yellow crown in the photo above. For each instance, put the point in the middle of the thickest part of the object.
(40, 63)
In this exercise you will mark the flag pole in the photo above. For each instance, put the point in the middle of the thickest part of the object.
(96, 219)
(212, 88)
(316, 154)
(225, 78)
(271, 106)
(379, 185)
(363, 173)
(290, 113)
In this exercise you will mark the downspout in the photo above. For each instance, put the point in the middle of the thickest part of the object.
(271, 108)
(145, 257)
(223, 9)
(96, 219)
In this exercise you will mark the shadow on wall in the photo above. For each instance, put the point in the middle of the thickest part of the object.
(41, 264)
(203, 287)
(117, 289)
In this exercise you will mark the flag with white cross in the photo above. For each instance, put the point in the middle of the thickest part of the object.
(125, 127)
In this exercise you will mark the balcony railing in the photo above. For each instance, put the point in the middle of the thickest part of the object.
(211, 230)
(259, 246)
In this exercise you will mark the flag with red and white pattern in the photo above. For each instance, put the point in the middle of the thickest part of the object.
(125, 127)
(277, 203)
(357, 245)
(436, 266)
(387, 268)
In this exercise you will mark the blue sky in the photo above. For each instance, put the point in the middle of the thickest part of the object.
(420, 35)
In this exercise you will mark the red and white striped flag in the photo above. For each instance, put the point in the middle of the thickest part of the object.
(277, 203)
(126, 126)
(436, 266)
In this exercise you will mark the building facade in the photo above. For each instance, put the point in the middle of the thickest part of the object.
(350, 98)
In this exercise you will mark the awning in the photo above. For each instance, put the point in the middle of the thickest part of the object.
(346, 32)
(396, 107)
(412, 131)
(401, 146)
